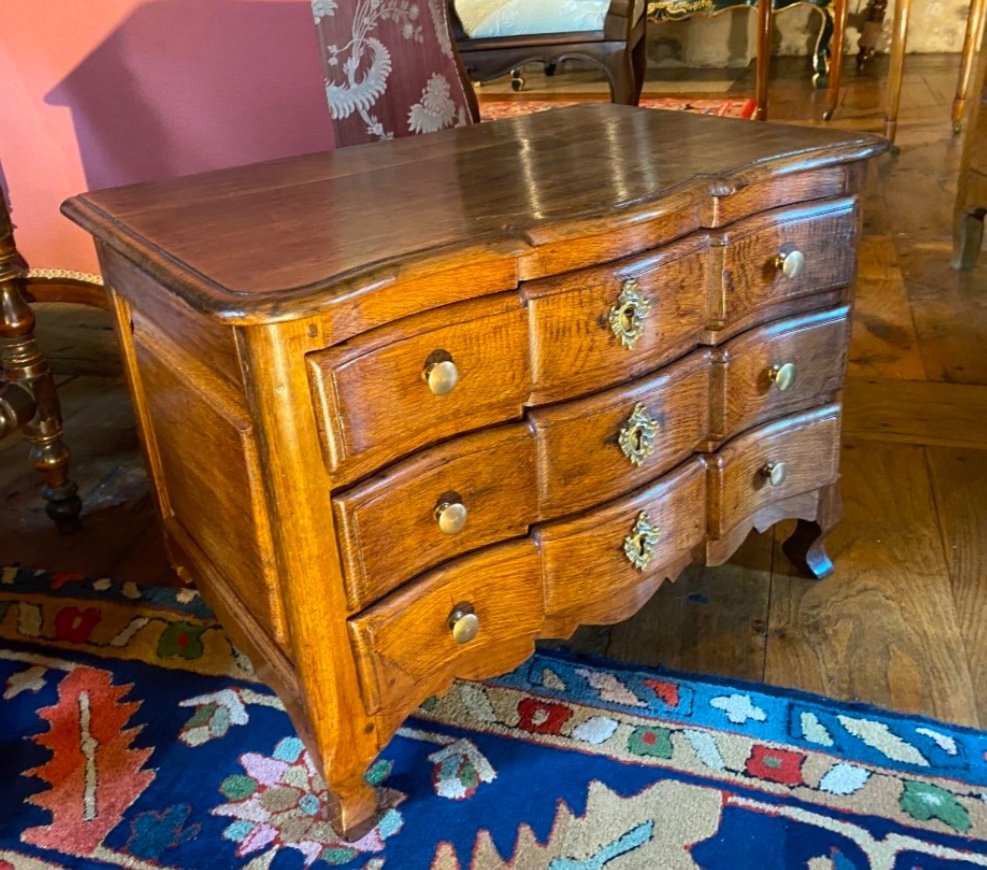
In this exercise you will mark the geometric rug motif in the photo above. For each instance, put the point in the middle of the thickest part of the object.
(133, 734)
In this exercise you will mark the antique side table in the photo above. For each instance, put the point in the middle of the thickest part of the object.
(410, 406)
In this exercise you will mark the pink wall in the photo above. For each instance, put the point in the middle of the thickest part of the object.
(109, 92)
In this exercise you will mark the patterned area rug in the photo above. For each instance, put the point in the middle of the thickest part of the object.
(509, 107)
(132, 734)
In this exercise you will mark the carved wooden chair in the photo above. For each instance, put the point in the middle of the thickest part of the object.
(28, 399)
(391, 69)
(498, 36)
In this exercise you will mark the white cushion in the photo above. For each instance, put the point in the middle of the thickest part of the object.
(483, 19)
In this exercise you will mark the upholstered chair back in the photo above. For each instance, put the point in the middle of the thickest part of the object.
(390, 69)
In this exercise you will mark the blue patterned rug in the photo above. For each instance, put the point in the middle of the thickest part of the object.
(133, 734)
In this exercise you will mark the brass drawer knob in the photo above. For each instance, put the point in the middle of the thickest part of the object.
(441, 373)
(637, 435)
(775, 472)
(782, 376)
(640, 544)
(627, 315)
(791, 263)
(464, 623)
(451, 515)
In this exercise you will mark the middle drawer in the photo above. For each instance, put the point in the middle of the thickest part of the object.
(493, 485)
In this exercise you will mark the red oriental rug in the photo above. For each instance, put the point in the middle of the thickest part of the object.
(496, 109)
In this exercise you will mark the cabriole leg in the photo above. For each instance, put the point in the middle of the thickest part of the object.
(805, 548)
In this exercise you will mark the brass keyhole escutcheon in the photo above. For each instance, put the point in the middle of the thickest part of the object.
(782, 376)
(640, 544)
(440, 372)
(464, 623)
(451, 513)
(790, 263)
(775, 472)
(627, 314)
(636, 437)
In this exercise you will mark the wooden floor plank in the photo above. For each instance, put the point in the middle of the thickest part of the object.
(884, 343)
(883, 628)
(959, 481)
(916, 412)
(711, 620)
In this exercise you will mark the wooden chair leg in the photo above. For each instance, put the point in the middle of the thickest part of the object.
(839, 10)
(896, 72)
(870, 33)
(968, 63)
(28, 399)
(764, 21)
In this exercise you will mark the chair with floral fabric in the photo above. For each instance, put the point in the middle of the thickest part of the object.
(391, 69)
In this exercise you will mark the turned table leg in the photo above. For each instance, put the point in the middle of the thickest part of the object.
(28, 399)
(839, 11)
(764, 20)
(897, 68)
(805, 548)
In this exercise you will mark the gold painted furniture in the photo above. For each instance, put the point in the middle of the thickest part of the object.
(410, 406)
(826, 58)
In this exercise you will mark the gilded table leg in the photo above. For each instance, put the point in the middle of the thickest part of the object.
(838, 10)
(764, 19)
(805, 548)
(29, 400)
(897, 69)
(968, 64)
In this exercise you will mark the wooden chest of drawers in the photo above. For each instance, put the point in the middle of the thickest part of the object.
(410, 407)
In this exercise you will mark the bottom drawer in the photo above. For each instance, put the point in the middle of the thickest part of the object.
(602, 565)
(782, 459)
(472, 618)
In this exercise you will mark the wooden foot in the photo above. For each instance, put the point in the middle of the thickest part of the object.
(354, 808)
(805, 547)
(969, 239)
(806, 552)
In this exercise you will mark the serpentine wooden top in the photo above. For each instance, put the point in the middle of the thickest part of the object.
(325, 226)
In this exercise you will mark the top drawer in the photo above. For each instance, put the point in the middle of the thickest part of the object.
(420, 380)
(781, 256)
(598, 327)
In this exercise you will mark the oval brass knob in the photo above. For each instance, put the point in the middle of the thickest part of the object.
(775, 472)
(791, 263)
(782, 376)
(451, 516)
(442, 376)
(464, 623)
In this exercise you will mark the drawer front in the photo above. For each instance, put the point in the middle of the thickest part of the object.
(589, 573)
(598, 327)
(774, 462)
(420, 380)
(470, 492)
(595, 449)
(471, 619)
(781, 368)
(787, 254)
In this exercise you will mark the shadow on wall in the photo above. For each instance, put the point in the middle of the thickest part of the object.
(185, 86)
